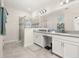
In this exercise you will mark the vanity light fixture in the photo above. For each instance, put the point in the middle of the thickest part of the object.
(65, 2)
(43, 11)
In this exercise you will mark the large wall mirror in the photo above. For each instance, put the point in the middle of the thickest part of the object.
(60, 24)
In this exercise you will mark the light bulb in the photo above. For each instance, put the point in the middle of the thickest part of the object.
(67, 1)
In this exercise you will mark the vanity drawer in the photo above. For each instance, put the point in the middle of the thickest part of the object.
(71, 39)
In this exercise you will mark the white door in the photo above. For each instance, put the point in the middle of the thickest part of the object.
(57, 46)
(71, 51)
(12, 27)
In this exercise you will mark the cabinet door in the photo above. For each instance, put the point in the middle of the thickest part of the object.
(42, 40)
(58, 46)
(38, 39)
(71, 51)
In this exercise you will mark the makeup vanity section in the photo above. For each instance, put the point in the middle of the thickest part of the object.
(65, 45)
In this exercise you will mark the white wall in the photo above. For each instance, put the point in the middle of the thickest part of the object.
(12, 26)
(52, 19)
(1, 2)
(70, 15)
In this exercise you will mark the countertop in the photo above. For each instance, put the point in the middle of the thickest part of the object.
(68, 34)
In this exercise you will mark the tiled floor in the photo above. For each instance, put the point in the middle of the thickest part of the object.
(15, 50)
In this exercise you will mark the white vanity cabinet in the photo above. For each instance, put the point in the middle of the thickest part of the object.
(65, 48)
(28, 37)
(57, 46)
(39, 39)
(71, 50)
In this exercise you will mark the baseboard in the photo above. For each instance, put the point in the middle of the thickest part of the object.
(5, 42)
(28, 45)
(56, 55)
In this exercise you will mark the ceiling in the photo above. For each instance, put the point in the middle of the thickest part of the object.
(31, 5)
